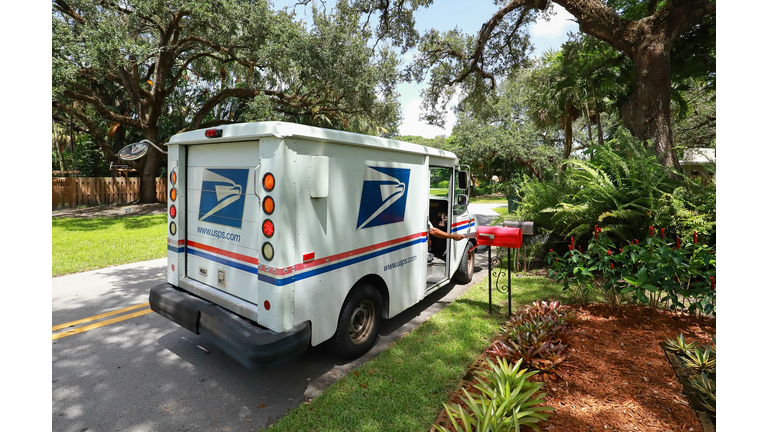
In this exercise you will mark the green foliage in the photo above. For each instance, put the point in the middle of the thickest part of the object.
(536, 335)
(706, 391)
(145, 68)
(502, 140)
(86, 157)
(625, 190)
(506, 402)
(678, 345)
(700, 362)
(653, 272)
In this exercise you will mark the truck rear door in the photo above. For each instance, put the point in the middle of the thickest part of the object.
(222, 217)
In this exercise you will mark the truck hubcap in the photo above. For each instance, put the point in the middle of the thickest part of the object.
(361, 323)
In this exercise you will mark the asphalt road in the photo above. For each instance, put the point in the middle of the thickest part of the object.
(141, 372)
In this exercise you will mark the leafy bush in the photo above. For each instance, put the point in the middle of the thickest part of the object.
(624, 189)
(656, 271)
(507, 401)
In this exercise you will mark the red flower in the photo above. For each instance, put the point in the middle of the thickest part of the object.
(596, 231)
(611, 266)
(662, 233)
(637, 241)
(652, 230)
(695, 238)
(572, 242)
(621, 250)
(678, 242)
(550, 250)
(580, 249)
(609, 252)
(713, 282)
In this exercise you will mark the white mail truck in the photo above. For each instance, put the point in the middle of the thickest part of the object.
(282, 236)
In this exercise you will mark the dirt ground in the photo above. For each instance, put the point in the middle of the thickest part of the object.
(112, 210)
(621, 379)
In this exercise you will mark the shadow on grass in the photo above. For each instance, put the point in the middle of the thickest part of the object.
(105, 223)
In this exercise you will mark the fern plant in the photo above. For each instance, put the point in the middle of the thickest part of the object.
(624, 189)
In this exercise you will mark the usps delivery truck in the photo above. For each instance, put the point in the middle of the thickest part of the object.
(282, 236)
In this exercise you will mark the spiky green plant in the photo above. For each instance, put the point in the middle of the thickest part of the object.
(706, 391)
(678, 345)
(700, 360)
(507, 401)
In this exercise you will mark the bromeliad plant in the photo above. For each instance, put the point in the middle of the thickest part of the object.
(537, 335)
(507, 401)
(655, 271)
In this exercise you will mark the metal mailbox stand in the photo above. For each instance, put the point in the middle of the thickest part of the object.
(527, 229)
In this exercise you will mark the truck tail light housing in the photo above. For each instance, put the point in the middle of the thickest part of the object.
(268, 228)
(268, 182)
(213, 133)
(267, 251)
(172, 211)
(269, 205)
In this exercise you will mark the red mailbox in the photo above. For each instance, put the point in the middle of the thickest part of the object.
(499, 236)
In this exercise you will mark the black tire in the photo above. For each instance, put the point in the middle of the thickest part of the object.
(467, 267)
(359, 322)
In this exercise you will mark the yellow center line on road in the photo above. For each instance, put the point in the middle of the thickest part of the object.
(72, 324)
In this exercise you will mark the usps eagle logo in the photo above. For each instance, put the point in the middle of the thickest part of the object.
(222, 197)
(385, 192)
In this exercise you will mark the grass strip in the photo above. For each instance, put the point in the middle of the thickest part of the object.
(81, 244)
(404, 387)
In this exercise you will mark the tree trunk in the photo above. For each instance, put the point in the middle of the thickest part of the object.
(147, 188)
(647, 112)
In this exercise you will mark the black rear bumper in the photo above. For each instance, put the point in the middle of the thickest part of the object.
(255, 347)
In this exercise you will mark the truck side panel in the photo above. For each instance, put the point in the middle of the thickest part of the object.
(373, 222)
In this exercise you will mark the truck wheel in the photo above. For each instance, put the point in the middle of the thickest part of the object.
(359, 322)
(467, 267)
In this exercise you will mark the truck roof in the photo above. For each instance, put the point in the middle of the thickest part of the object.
(257, 130)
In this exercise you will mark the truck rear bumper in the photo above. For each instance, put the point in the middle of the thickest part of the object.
(255, 347)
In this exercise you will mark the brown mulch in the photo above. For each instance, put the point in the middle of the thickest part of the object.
(621, 379)
(112, 210)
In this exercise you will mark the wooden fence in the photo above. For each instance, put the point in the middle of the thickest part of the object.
(76, 191)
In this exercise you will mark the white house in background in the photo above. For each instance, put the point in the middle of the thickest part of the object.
(699, 162)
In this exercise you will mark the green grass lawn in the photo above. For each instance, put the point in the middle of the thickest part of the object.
(407, 384)
(488, 199)
(81, 244)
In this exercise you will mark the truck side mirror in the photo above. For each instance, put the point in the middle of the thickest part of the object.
(462, 200)
(463, 180)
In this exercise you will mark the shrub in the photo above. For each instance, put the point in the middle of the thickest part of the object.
(624, 189)
(657, 270)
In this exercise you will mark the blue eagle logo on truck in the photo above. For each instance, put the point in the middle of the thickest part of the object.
(222, 196)
(385, 192)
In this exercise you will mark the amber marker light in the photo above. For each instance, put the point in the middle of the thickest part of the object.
(173, 194)
(268, 182)
(269, 205)
(173, 177)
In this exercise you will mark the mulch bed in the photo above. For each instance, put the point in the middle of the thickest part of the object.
(621, 380)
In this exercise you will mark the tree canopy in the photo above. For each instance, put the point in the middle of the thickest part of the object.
(149, 69)
(654, 35)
